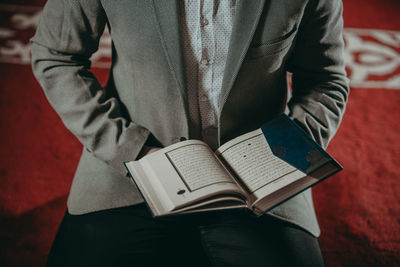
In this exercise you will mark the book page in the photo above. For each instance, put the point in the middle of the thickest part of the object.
(251, 159)
(150, 188)
(197, 166)
(188, 172)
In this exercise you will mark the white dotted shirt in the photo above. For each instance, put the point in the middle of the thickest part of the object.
(206, 27)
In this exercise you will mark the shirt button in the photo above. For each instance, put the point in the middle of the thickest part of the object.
(204, 61)
(204, 22)
(203, 98)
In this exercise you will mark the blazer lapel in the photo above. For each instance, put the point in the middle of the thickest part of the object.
(167, 20)
(245, 23)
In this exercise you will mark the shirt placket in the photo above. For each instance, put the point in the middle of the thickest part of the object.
(206, 69)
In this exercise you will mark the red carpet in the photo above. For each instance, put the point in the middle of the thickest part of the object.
(358, 209)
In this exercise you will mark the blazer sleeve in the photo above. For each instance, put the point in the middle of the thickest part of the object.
(319, 83)
(67, 35)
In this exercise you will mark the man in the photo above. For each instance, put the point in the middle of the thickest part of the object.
(172, 78)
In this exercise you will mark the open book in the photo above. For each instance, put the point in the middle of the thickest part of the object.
(257, 170)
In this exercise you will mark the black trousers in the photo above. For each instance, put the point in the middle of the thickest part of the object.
(131, 237)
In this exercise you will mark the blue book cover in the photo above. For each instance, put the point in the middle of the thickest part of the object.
(290, 143)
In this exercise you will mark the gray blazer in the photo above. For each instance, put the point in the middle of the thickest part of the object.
(146, 95)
